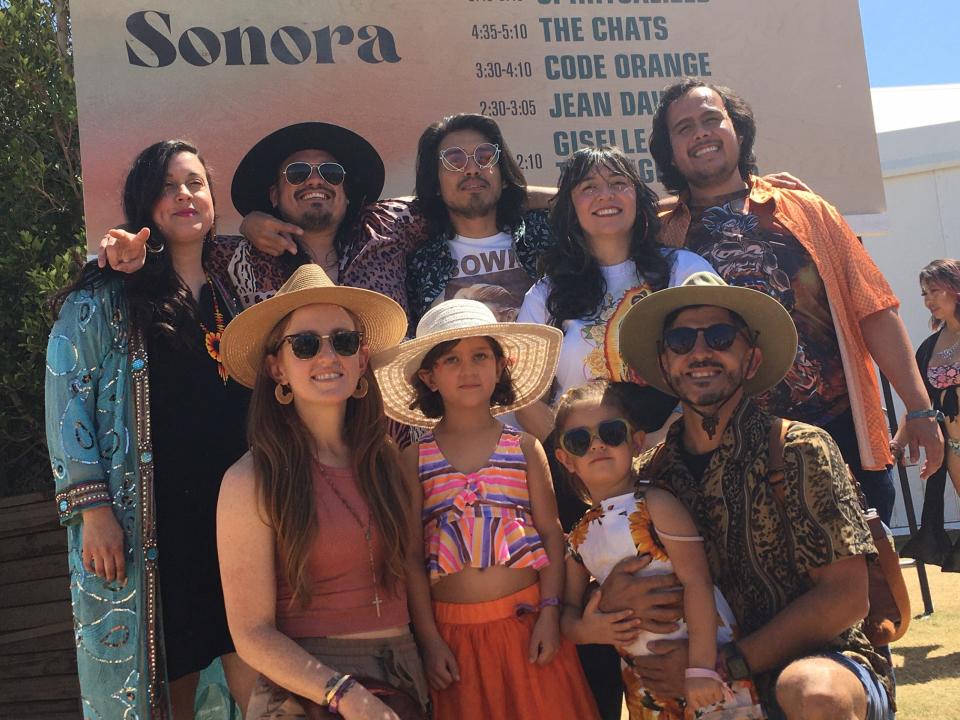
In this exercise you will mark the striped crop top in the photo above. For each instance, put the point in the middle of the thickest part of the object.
(480, 519)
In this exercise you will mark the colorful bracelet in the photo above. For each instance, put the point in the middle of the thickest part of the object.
(338, 695)
(524, 608)
(335, 682)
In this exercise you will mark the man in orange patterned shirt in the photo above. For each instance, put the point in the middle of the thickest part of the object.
(796, 247)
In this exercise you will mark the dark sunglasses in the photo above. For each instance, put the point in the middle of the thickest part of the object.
(612, 433)
(484, 155)
(306, 345)
(680, 340)
(297, 173)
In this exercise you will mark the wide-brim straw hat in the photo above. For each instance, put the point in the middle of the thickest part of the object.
(258, 170)
(642, 328)
(532, 351)
(243, 343)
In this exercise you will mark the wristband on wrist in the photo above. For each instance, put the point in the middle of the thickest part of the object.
(334, 683)
(524, 608)
(710, 675)
(929, 413)
(339, 694)
(735, 665)
(703, 673)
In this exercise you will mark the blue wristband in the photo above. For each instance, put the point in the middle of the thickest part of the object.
(916, 414)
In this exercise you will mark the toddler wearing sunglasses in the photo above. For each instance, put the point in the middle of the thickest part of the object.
(596, 445)
(493, 546)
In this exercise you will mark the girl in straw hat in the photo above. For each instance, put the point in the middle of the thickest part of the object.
(597, 446)
(312, 525)
(493, 544)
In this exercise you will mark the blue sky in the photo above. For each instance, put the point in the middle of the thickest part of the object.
(911, 43)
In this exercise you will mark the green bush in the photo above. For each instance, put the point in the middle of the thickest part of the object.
(41, 220)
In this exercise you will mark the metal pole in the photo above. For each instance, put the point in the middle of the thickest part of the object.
(907, 497)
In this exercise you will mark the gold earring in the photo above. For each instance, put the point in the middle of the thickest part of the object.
(363, 387)
(283, 394)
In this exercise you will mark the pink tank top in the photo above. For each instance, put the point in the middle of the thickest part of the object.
(481, 519)
(342, 592)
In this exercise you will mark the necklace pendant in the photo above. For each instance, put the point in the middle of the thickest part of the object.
(710, 425)
(377, 602)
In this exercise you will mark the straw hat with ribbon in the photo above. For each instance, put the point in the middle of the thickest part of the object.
(243, 342)
(776, 335)
(532, 351)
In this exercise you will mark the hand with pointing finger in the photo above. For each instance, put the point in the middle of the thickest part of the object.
(123, 250)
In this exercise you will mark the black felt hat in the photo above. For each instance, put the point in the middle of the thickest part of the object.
(257, 172)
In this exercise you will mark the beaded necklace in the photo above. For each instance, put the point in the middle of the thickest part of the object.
(212, 339)
(366, 532)
(948, 352)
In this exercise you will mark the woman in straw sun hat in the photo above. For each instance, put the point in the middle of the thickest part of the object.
(312, 525)
(492, 543)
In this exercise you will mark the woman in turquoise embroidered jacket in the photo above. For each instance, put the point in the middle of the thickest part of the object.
(142, 421)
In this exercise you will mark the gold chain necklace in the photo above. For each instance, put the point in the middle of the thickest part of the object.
(367, 535)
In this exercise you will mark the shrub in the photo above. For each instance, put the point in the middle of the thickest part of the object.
(41, 220)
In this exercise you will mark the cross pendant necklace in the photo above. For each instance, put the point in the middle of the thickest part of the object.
(367, 533)
(373, 568)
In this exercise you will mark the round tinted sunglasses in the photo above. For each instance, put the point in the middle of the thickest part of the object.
(306, 345)
(680, 340)
(297, 173)
(612, 433)
(456, 158)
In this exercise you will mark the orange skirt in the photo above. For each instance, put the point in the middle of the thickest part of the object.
(491, 645)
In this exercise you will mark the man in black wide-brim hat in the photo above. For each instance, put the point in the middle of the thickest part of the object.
(316, 177)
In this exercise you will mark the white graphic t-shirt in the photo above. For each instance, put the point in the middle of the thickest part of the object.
(488, 271)
(591, 346)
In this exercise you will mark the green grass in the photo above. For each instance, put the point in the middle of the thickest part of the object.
(927, 658)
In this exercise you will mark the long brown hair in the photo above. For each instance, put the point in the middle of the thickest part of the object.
(283, 456)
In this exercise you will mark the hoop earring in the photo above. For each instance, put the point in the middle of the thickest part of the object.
(155, 251)
(363, 387)
(283, 394)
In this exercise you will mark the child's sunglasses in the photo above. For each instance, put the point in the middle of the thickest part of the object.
(306, 345)
(680, 340)
(297, 173)
(613, 433)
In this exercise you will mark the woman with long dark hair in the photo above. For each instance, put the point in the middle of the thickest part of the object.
(313, 522)
(605, 258)
(938, 359)
(142, 422)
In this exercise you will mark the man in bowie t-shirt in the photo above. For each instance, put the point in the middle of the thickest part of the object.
(480, 238)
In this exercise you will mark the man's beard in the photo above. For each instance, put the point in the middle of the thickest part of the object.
(712, 178)
(313, 220)
(475, 207)
(713, 398)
